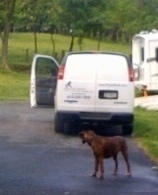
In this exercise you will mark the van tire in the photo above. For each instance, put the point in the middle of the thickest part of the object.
(58, 123)
(68, 129)
(71, 126)
(127, 129)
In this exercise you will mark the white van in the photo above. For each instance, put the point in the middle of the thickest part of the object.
(90, 88)
(94, 88)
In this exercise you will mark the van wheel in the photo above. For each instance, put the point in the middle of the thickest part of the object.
(58, 123)
(68, 129)
(127, 129)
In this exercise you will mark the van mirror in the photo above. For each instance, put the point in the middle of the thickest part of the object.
(156, 54)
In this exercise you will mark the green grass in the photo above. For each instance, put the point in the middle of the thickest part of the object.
(14, 86)
(146, 131)
(21, 47)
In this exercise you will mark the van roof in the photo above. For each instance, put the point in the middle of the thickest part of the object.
(94, 52)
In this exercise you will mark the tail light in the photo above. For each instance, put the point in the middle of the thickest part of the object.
(131, 74)
(60, 75)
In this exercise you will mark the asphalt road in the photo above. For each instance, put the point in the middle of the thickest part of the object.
(34, 160)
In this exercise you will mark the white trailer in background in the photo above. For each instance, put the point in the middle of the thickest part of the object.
(145, 60)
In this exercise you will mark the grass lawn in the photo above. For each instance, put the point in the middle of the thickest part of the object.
(146, 131)
(21, 47)
(14, 86)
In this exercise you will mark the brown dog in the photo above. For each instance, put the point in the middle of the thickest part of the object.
(105, 147)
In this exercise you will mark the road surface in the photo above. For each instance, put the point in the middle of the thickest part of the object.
(34, 160)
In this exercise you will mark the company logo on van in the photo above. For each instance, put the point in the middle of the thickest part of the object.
(68, 84)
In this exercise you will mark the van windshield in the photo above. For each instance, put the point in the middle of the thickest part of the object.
(109, 66)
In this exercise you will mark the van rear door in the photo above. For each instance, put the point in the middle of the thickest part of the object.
(77, 88)
(115, 87)
(43, 80)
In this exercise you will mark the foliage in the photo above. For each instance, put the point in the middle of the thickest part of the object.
(117, 19)
(37, 15)
(114, 20)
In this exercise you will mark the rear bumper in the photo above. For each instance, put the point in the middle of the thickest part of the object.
(119, 118)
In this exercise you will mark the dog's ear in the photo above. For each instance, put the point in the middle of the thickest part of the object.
(87, 136)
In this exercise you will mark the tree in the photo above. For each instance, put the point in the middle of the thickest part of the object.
(7, 8)
(115, 19)
(38, 16)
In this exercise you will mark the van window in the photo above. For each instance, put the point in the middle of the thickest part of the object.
(156, 54)
(45, 67)
(109, 66)
(142, 54)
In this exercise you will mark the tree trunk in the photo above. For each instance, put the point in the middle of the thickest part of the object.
(35, 42)
(9, 8)
(72, 43)
(53, 43)
(98, 40)
(5, 38)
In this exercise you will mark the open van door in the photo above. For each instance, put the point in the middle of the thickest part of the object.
(43, 81)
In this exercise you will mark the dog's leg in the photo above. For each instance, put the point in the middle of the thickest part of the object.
(95, 167)
(116, 164)
(101, 161)
(125, 155)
